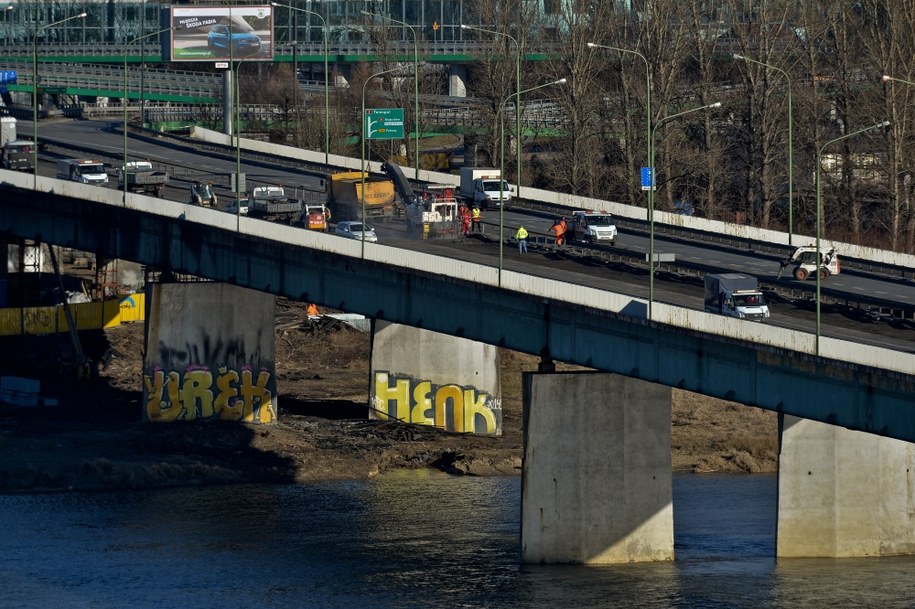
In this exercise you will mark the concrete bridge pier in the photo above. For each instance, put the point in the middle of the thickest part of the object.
(597, 482)
(343, 73)
(843, 493)
(457, 80)
(209, 354)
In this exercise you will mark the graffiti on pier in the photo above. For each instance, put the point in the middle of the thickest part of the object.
(451, 407)
(199, 393)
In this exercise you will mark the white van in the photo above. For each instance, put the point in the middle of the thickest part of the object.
(85, 171)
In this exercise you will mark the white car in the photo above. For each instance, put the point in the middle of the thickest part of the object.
(233, 208)
(353, 229)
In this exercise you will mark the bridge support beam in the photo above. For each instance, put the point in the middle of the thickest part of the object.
(597, 482)
(843, 493)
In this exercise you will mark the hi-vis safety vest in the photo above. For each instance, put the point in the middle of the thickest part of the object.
(476, 213)
(521, 234)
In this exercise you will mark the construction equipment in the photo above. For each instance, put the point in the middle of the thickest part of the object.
(402, 185)
(314, 217)
(435, 213)
(345, 196)
(804, 263)
(202, 194)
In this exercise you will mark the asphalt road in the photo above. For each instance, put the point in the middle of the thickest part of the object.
(543, 260)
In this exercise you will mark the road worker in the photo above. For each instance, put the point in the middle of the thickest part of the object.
(477, 217)
(521, 236)
(465, 220)
(559, 229)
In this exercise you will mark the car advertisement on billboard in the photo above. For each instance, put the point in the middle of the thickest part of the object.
(219, 33)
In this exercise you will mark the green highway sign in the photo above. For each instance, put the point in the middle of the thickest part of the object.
(383, 124)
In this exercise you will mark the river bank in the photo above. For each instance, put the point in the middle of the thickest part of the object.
(95, 438)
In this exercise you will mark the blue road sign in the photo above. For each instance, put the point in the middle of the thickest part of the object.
(8, 77)
(647, 178)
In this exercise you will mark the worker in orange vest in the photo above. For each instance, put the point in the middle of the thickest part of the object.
(559, 229)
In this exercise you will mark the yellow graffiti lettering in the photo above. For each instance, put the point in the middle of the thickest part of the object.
(384, 395)
(477, 406)
(454, 395)
(227, 405)
(159, 408)
(196, 395)
(258, 401)
(421, 412)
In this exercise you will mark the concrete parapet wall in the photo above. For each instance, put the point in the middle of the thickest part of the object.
(428, 378)
(209, 354)
(843, 493)
(597, 482)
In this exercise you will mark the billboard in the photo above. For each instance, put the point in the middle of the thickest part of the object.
(217, 33)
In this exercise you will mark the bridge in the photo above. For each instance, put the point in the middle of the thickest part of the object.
(827, 390)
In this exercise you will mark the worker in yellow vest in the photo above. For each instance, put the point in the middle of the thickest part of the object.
(477, 217)
(521, 236)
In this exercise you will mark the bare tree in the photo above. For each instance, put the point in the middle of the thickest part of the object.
(765, 42)
(580, 155)
(492, 76)
(888, 39)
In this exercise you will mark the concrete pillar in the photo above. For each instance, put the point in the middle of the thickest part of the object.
(457, 81)
(427, 378)
(209, 354)
(597, 482)
(343, 72)
(843, 493)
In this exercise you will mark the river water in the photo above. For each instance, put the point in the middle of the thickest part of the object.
(402, 540)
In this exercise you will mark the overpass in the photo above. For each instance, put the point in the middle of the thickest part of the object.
(846, 385)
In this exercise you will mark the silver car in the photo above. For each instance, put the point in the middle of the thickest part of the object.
(354, 230)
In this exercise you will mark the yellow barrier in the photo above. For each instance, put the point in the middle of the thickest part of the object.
(25, 321)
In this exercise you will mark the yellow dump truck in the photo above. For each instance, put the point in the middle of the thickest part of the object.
(344, 196)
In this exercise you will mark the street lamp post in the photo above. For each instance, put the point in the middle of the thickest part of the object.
(237, 133)
(362, 155)
(35, 90)
(651, 149)
(326, 78)
(502, 165)
(126, 95)
(517, 94)
(790, 143)
(820, 214)
(886, 78)
(415, 85)
(647, 102)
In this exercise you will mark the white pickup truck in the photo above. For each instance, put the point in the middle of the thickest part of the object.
(592, 227)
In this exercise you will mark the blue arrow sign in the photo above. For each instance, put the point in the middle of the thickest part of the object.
(647, 178)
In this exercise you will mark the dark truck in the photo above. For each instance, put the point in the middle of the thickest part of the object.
(271, 203)
(143, 178)
(15, 154)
